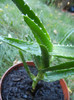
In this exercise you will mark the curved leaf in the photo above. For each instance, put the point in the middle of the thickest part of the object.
(29, 47)
(63, 51)
(45, 56)
(33, 48)
(57, 75)
(66, 65)
(26, 10)
(26, 66)
(39, 33)
(37, 61)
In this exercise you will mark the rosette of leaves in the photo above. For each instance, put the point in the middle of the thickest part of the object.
(43, 49)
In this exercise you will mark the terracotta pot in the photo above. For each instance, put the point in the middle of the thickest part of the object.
(62, 82)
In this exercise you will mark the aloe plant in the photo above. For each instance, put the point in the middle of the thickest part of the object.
(43, 51)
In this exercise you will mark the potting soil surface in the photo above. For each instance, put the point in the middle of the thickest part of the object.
(17, 86)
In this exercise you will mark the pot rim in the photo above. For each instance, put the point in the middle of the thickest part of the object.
(31, 63)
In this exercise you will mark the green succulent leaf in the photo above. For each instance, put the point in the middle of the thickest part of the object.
(26, 66)
(45, 56)
(33, 48)
(66, 65)
(63, 51)
(57, 75)
(29, 47)
(40, 35)
(26, 10)
(37, 61)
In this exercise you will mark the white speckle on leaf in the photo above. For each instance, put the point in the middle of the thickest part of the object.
(40, 28)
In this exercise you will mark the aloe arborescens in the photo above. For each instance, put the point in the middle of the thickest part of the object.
(43, 49)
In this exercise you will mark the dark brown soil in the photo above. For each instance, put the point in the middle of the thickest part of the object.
(17, 86)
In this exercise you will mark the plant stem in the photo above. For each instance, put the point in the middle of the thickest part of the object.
(37, 79)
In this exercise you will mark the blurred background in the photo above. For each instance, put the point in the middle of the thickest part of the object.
(56, 15)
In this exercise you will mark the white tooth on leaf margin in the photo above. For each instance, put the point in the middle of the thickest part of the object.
(36, 14)
(30, 8)
(36, 24)
(33, 20)
(26, 3)
(26, 15)
(22, 14)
